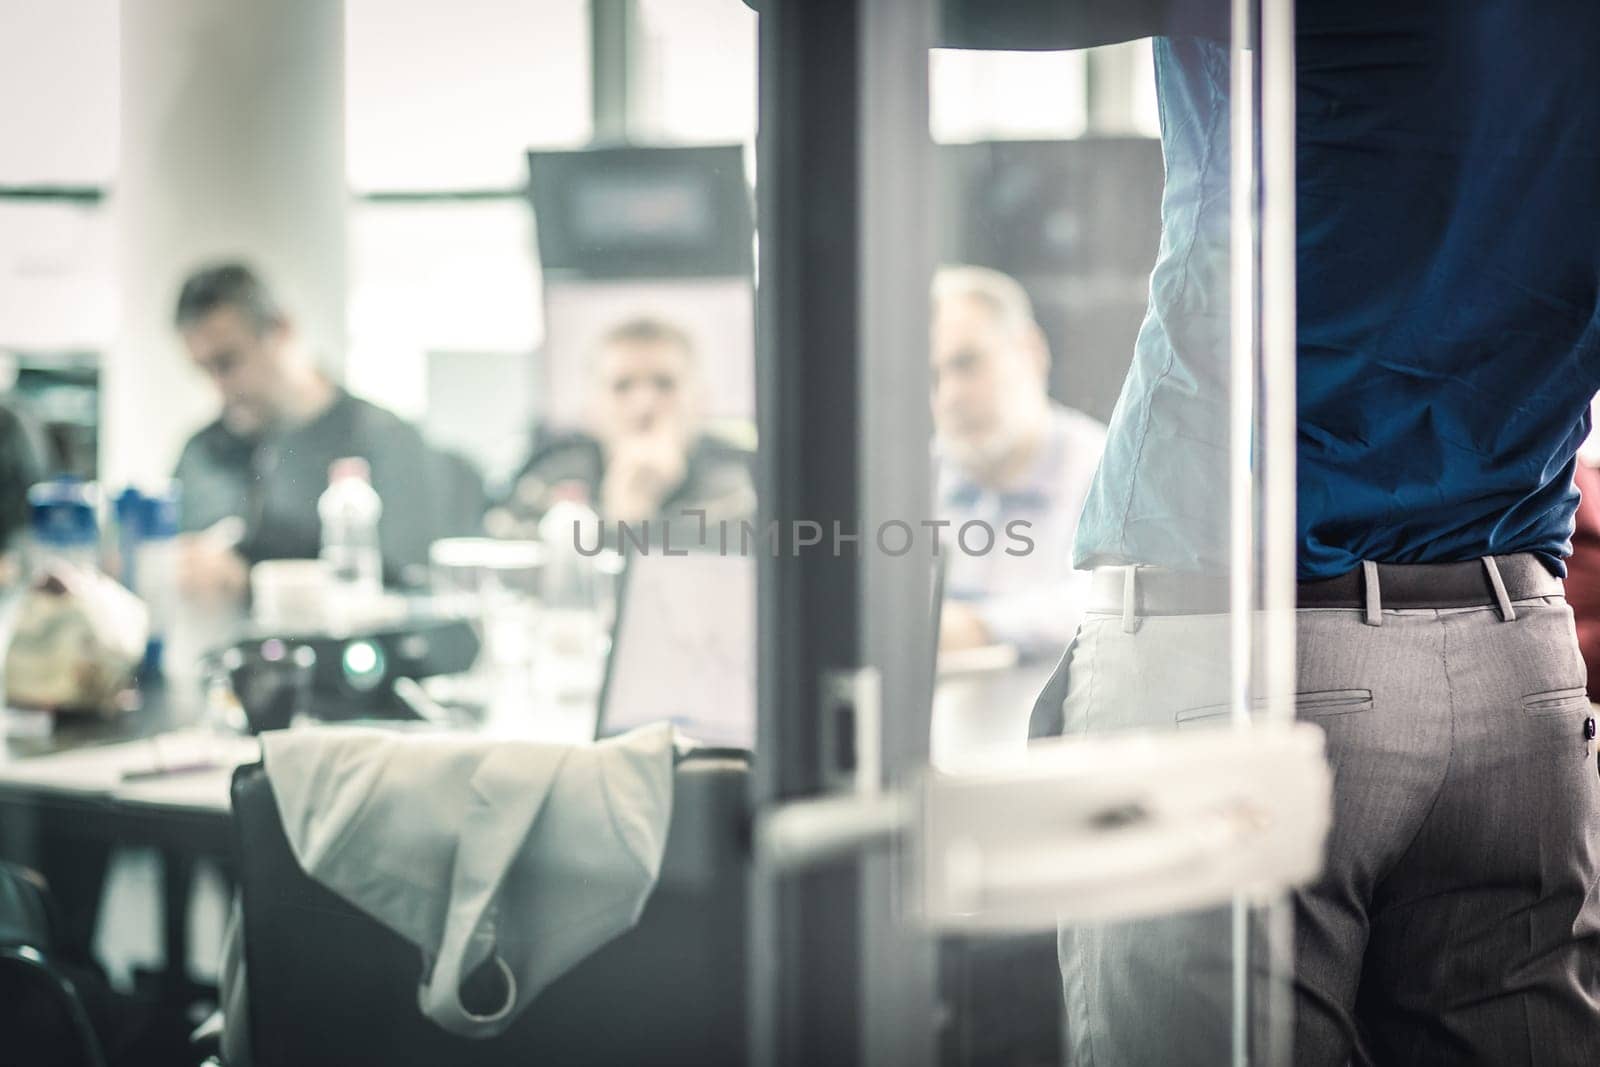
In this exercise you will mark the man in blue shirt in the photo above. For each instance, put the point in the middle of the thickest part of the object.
(1448, 203)
(1006, 453)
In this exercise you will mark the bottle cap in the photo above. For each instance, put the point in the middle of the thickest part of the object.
(129, 502)
(349, 467)
(573, 489)
(149, 515)
(158, 512)
(62, 513)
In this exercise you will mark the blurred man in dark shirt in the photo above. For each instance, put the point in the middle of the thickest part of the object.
(251, 479)
(20, 467)
(643, 455)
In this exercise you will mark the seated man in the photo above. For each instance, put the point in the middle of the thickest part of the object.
(251, 479)
(643, 455)
(1005, 452)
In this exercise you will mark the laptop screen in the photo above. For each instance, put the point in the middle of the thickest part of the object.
(684, 649)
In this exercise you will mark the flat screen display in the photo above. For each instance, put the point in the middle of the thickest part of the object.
(663, 208)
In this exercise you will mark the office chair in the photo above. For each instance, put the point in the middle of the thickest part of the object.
(330, 985)
(43, 1022)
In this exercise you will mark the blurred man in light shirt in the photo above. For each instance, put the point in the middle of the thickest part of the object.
(1006, 452)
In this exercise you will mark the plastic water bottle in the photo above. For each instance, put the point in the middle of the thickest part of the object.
(156, 568)
(350, 509)
(129, 510)
(570, 646)
(148, 538)
(570, 531)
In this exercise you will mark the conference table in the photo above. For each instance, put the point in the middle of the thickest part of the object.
(73, 789)
(148, 778)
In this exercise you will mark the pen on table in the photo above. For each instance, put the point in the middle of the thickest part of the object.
(145, 773)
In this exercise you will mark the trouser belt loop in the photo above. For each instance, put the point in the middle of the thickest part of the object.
(1492, 569)
(1369, 571)
(1130, 599)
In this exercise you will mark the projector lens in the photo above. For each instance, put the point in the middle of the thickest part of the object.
(363, 665)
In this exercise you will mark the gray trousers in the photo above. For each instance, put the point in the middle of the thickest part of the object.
(1456, 921)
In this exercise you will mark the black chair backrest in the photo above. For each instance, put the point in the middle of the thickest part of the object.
(43, 1022)
(330, 985)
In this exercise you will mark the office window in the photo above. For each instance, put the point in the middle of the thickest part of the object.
(57, 293)
(697, 71)
(447, 96)
(1146, 112)
(1122, 91)
(431, 279)
(982, 96)
(58, 59)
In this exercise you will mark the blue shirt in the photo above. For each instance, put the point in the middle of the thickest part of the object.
(1448, 203)
(1030, 599)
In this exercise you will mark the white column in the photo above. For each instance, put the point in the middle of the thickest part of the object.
(232, 144)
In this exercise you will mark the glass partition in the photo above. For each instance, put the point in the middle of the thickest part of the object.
(957, 549)
(1078, 864)
(1109, 373)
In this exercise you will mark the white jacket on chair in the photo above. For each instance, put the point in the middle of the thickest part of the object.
(530, 856)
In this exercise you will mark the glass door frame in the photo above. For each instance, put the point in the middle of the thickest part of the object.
(842, 338)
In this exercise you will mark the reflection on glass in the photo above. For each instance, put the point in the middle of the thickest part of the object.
(1103, 296)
